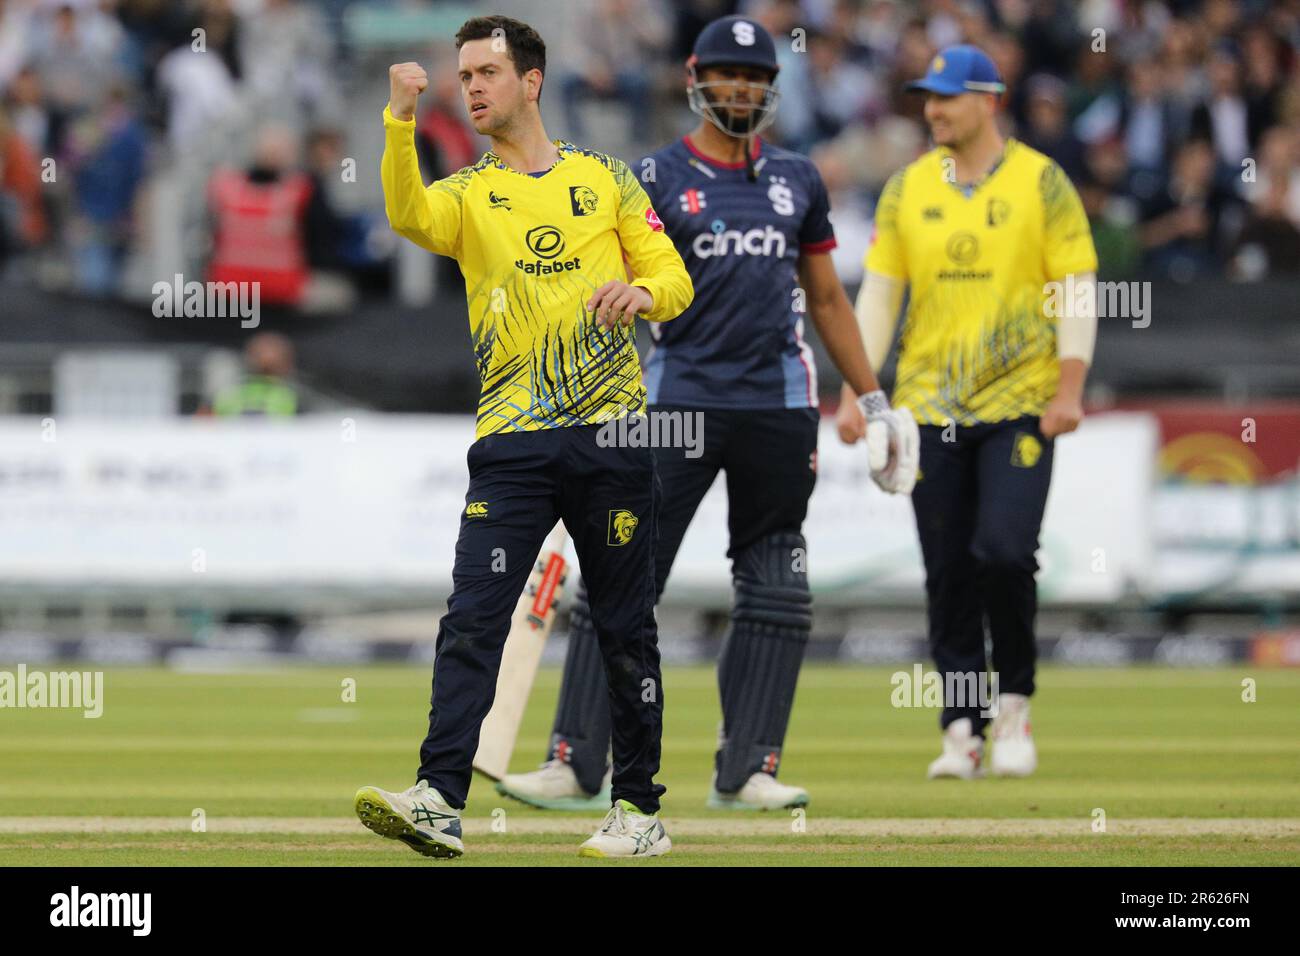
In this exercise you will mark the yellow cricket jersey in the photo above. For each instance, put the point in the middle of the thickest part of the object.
(533, 249)
(976, 344)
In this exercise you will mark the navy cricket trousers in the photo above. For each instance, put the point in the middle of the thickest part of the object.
(520, 484)
(979, 504)
(768, 456)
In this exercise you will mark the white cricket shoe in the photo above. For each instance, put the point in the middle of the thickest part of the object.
(419, 817)
(963, 752)
(1014, 754)
(761, 791)
(626, 831)
(554, 787)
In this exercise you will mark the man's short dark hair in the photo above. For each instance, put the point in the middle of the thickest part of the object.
(525, 45)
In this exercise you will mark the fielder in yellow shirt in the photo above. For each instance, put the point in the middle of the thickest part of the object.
(545, 232)
(535, 248)
(981, 231)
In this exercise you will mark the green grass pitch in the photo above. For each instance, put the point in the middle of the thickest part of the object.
(1184, 771)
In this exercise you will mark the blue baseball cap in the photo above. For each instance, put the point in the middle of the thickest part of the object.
(960, 69)
(735, 41)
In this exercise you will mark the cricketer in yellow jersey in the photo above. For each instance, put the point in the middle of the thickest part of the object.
(542, 230)
(978, 229)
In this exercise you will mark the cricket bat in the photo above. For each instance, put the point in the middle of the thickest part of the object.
(529, 628)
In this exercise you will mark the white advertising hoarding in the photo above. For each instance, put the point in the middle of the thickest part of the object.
(374, 503)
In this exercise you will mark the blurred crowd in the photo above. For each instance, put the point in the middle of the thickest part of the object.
(1179, 121)
(98, 98)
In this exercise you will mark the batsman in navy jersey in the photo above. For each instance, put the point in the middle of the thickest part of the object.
(752, 224)
(742, 346)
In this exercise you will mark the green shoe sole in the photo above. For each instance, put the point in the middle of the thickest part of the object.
(376, 814)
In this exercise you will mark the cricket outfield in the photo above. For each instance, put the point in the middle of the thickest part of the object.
(1138, 766)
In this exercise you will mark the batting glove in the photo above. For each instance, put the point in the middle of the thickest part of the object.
(893, 443)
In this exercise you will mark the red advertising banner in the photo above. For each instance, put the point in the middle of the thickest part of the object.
(1214, 442)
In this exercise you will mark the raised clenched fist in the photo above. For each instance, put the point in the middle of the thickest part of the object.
(406, 81)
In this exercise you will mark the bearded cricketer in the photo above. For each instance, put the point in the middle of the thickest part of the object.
(542, 230)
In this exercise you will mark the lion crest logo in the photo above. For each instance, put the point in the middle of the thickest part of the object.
(622, 525)
(583, 199)
(1026, 452)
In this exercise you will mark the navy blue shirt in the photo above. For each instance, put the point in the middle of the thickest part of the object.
(740, 344)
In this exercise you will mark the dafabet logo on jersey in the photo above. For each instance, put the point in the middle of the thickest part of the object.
(476, 509)
(1026, 452)
(963, 248)
(546, 243)
(622, 524)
